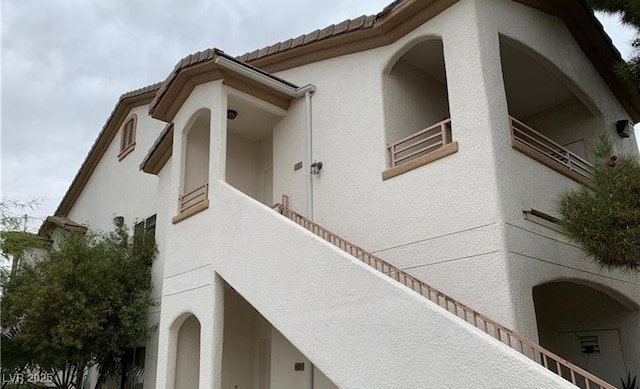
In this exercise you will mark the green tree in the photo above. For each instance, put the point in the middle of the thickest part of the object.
(83, 304)
(629, 11)
(605, 219)
(14, 242)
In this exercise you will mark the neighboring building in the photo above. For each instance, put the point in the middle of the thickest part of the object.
(511, 94)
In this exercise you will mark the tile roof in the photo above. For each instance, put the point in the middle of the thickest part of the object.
(360, 23)
(156, 145)
(58, 221)
(201, 57)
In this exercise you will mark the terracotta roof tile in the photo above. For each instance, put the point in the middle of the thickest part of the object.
(139, 92)
(356, 24)
(369, 21)
(273, 49)
(286, 44)
(297, 41)
(263, 52)
(326, 32)
(349, 25)
(389, 8)
(312, 37)
(341, 27)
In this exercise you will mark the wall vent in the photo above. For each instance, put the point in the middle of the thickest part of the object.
(589, 344)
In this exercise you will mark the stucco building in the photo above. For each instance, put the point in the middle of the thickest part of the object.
(436, 136)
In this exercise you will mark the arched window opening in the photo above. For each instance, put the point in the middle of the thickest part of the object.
(417, 118)
(196, 166)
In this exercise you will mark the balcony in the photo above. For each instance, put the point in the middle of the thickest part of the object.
(192, 202)
(420, 148)
(544, 150)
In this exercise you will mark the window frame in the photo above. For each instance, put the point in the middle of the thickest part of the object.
(128, 136)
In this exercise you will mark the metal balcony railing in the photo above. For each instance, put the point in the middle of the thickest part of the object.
(193, 198)
(537, 353)
(420, 143)
(523, 135)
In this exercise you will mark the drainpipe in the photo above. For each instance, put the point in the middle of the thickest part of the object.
(307, 91)
(309, 131)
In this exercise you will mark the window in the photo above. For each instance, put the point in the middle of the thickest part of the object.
(128, 139)
(145, 229)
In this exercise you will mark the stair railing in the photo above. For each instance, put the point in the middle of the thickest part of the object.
(532, 350)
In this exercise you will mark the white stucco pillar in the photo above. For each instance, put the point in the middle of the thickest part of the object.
(478, 107)
(167, 346)
(211, 336)
(218, 143)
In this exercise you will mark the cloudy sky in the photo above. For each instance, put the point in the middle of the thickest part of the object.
(66, 62)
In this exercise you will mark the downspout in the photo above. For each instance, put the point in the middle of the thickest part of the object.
(309, 127)
(307, 91)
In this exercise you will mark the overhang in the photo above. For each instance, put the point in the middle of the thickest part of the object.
(211, 65)
(52, 222)
(160, 152)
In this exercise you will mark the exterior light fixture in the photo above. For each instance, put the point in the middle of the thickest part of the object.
(231, 114)
(315, 168)
(625, 128)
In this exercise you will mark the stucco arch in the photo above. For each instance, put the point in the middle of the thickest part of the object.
(194, 117)
(588, 324)
(196, 150)
(396, 56)
(187, 329)
(552, 68)
(620, 297)
(180, 318)
(416, 100)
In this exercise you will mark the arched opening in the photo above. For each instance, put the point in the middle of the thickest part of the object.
(196, 160)
(188, 355)
(416, 103)
(552, 120)
(589, 328)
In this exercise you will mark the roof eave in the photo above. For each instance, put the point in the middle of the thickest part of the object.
(126, 102)
(160, 152)
(212, 65)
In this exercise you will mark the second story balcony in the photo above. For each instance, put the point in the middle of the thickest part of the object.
(548, 152)
(551, 119)
(417, 117)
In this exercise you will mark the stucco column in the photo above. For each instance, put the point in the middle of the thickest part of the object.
(167, 346)
(211, 337)
(218, 143)
(478, 107)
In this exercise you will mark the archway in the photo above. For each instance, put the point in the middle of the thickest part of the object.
(588, 327)
(188, 355)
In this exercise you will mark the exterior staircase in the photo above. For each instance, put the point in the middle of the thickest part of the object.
(532, 350)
